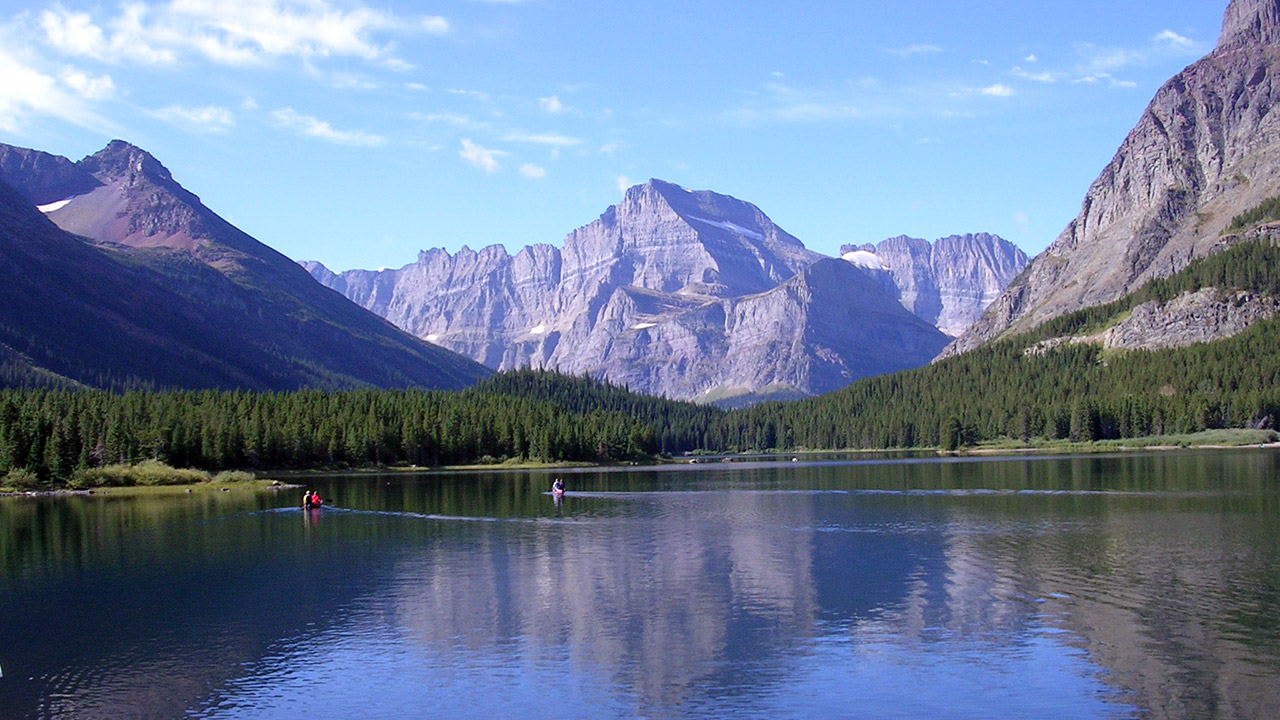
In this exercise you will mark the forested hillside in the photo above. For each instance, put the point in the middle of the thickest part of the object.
(1074, 390)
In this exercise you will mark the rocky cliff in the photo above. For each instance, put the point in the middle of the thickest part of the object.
(672, 292)
(1206, 149)
(947, 283)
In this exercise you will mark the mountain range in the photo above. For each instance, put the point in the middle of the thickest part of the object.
(1204, 151)
(691, 295)
(116, 276)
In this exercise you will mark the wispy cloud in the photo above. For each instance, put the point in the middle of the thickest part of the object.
(997, 90)
(87, 86)
(918, 49)
(1040, 77)
(452, 119)
(552, 105)
(1178, 41)
(1098, 63)
(481, 157)
(29, 91)
(308, 126)
(233, 32)
(478, 95)
(210, 119)
(533, 172)
(542, 139)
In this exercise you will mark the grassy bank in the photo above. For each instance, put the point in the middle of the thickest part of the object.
(148, 474)
(1207, 439)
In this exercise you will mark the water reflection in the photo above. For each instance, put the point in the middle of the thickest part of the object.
(1122, 586)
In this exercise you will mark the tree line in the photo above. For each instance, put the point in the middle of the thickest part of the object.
(54, 433)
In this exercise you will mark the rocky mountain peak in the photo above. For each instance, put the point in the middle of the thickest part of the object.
(131, 166)
(1251, 21)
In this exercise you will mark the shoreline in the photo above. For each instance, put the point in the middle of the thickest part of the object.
(261, 485)
(281, 480)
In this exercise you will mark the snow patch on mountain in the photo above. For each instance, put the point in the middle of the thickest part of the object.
(731, 227)
(50, 207)
(864, 259)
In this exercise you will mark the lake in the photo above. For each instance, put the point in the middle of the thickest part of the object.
(1114, 586)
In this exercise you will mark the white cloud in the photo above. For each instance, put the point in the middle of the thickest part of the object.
(27, 91)
(1031, 58)
(483, 158)
(481, 96)
(75, 33)
(1020, 218)
(308, 126)
(463, 122)
(210, 119)
(87, 87)
(234, 32)
(544, 139)
(532, 171)
(623, 183)
(998, 90)
(814, 112)
(552, 105)
(1174, 39)
(1111, 81)
(1040, 77)
(918, 49)
(435, 25)
(416, 87)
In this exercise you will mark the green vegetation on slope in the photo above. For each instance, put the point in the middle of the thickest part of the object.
(1266, 211)
(1074, 391)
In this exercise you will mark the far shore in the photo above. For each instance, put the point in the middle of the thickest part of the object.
(283, 480)
(260, 485)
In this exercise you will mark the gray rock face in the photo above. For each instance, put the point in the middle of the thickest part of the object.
(950, 282)
(671, 292)
(1206, 149)
(1203, 316)
(1195, 317)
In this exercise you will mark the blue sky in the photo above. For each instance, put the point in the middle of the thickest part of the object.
(357, 133)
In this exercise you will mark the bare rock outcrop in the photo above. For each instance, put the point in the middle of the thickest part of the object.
(1203, 316)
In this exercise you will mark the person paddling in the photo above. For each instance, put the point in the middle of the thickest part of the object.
(557, 487)
(306, 499)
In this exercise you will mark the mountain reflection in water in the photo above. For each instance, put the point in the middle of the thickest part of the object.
(1119, 586)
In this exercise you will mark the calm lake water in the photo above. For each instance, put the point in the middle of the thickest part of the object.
(1129, 586)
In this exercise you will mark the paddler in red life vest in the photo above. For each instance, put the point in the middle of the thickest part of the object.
(316, 500)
